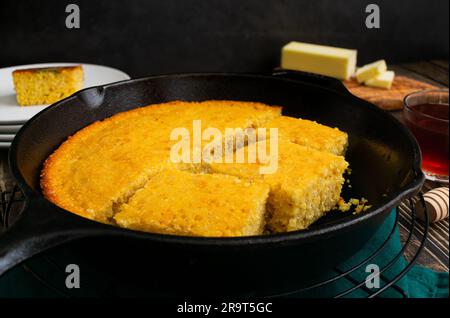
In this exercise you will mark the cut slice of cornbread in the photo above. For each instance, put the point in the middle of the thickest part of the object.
(103, 164)
(306, 185)
(182, 203)
(310, 134)
(46, 85)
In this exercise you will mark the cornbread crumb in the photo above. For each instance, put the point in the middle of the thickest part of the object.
(342, 205)
(46, 85)
(359, 204)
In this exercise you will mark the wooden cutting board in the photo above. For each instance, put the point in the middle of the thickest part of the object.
(388, 99)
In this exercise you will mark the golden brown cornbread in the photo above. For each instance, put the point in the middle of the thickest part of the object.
(310, 134)
(46, 85)
(178, 202)
(99, 167)
(306, 185)
(119, 169)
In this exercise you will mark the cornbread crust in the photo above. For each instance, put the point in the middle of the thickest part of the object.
(306, 185)
(311, 134)
(46, 85)
(103, 164)
(215, 205)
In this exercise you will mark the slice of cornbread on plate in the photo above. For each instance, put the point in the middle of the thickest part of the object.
(46, 85)
(214, 205)
(306, 184)
(310, 134)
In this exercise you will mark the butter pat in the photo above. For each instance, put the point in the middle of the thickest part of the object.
(384, 80)
(324, 60)
(370, 70)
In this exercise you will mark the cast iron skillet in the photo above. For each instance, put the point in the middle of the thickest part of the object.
(384, 157)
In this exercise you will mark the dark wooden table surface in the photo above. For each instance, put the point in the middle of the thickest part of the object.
(435, 254)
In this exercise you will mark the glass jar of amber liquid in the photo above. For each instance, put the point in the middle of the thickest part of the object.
(426, 115)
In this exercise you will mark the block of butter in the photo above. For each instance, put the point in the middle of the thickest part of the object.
(370, 70)
(384, 80)
(324, 60)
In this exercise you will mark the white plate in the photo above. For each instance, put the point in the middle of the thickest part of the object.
(6, 138)
(4, 145)
(9, 129)
(12, 113)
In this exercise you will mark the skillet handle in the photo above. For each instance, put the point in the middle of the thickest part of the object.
(39, 227)
(310, 78)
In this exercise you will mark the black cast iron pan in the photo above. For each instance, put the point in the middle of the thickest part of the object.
(384, 157)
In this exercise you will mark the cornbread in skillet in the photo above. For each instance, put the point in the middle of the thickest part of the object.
(305, 186)
(102, 165)
(46, 85)
(182, 203)
(310, 134)
(119, 171)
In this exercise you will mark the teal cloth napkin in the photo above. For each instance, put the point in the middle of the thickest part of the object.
(419, 282)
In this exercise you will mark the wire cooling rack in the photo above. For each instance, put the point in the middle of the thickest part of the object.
(8, 201)
(11, 202)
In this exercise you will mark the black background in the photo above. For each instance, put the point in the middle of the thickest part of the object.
(167, 36)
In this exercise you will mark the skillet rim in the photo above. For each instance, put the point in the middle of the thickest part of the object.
(287, 237)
